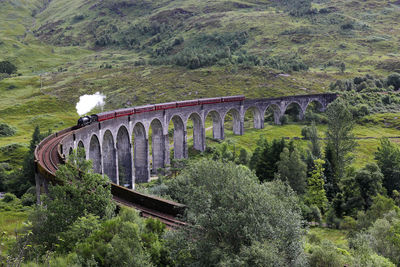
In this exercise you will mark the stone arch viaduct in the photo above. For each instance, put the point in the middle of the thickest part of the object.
(120, 147)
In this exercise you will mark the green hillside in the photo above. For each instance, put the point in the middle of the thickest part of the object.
(362, 34)
(142, 51)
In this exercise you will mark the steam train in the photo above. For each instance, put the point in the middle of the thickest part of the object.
(86, 120)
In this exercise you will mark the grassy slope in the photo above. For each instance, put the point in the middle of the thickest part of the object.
(22, 104)
(70, 71)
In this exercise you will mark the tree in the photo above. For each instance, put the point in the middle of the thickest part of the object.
(28, 170)
(19, 181)
(243, 157)
(330, 186)
(293, 170)
(80, 192)
(232, 214)
(394, 79)
(349, 201)
(265, 158)
(315, 191)
(340, 139)
(125, 240)
(223, 153)
(388, 159)
(256, 156)
(342, 67)
(314, 146)
(369, 180)
(7, 67)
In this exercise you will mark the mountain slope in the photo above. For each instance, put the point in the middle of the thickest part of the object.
(362, 34)
(142, 51)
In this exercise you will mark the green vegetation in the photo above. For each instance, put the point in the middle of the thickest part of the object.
(291, 168)
(7, 67)
(257, 223)
(138, 52)
(6, 130)
(13, 215)
(76, 224)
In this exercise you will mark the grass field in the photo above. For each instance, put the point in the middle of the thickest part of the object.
(338, 237)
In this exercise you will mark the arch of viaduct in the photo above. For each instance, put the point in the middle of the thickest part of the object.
(119, 147)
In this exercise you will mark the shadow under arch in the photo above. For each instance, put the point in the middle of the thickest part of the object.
(157, 145)
(109, 157)
(179, 137)
(217, 124)
(141, 150)
(293, 111)
(95, 153)
(258, 120)
(198, 134)
(124, 157)
(232, 122)
(315, 105)
(272, 114)
(81, 146)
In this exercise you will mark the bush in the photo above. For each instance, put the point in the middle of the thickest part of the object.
(326, 255)
(347, 26)
(314, 238)
(305, 132)
(394, 80)
(6, 130)
(316, 214)
(7, 67)
(28, 199)
(287, 63)
(284, 119)
(332, 220)
(8, 197)
(349, 223)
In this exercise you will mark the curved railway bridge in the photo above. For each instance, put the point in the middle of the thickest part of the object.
(119, 147)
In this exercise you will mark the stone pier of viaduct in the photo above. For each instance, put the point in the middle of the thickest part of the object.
(119, 147)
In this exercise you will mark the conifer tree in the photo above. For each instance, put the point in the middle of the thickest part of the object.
(315, 192)
(291, 168)
(340, 139)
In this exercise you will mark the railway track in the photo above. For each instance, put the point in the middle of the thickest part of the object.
(48, 157)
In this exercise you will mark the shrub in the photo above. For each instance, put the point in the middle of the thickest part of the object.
(326, 255)
(28, 199)
(349, 223)
(305, 132)
(347, 26)
(332, 220)
(316, 214)
(6, 130)
(77, 18)
(8, 197)
(7, 67)
(314, 238)
(394, 79)
(284, 119)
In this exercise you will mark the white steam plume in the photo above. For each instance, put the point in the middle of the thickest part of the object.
(88, 102)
